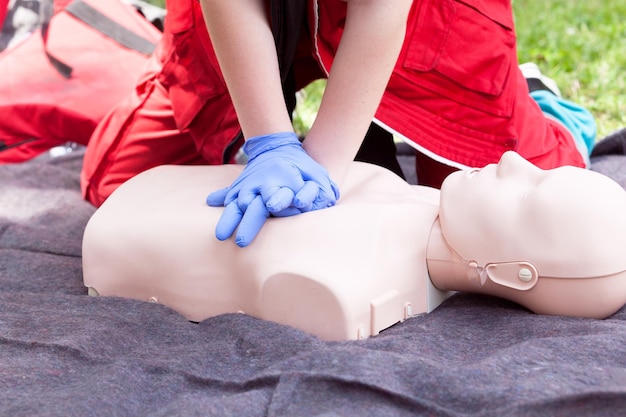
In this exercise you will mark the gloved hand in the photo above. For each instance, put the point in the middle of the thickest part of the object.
(280, 179)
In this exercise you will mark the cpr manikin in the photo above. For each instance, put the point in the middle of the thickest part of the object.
(549, 240)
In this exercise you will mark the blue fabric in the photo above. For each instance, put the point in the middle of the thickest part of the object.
(578, 120)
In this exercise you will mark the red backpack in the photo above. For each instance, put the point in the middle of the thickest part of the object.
(58, 83)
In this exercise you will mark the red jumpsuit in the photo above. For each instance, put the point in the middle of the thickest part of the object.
(456, 94)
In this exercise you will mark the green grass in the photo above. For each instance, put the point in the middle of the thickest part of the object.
(581, 44)
(160, 3)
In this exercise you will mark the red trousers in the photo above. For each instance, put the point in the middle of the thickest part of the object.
(456, 94)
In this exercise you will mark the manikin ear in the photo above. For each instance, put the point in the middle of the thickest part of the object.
(517, 275)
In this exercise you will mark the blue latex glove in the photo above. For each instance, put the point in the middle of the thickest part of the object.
(280, 179)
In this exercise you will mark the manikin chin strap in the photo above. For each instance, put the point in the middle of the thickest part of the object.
(519, 275)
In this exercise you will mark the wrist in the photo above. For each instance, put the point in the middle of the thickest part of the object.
(335, 156)
(257, 145)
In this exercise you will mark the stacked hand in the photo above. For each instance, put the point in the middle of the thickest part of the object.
(280, 179)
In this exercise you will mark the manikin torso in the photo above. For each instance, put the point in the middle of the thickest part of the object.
(345, 273)
(549, 240)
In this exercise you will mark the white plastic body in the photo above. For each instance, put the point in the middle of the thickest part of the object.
(552, 240)
(343, 273)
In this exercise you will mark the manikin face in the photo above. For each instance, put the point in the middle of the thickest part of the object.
(567, 222)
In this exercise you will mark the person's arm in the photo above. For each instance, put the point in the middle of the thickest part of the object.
(368, 50)
(244, 44)
(280, 178)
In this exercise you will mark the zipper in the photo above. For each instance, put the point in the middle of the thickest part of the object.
(5, 147)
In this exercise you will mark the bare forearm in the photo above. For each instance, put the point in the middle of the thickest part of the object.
(245, 48)
(369, 48)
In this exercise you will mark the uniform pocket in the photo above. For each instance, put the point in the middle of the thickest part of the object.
(456, 49)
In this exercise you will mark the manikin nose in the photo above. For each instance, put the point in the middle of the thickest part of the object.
(511, 163)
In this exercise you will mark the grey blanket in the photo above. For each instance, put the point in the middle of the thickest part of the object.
(63, 353)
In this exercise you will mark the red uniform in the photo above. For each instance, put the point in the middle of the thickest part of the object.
(456, 94)
(4, 6)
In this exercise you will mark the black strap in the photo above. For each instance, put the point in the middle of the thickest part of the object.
(5, 147)
(98, 21)
(109, 27)
(45, 15)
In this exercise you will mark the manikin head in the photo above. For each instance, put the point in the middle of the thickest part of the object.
(522, 225)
